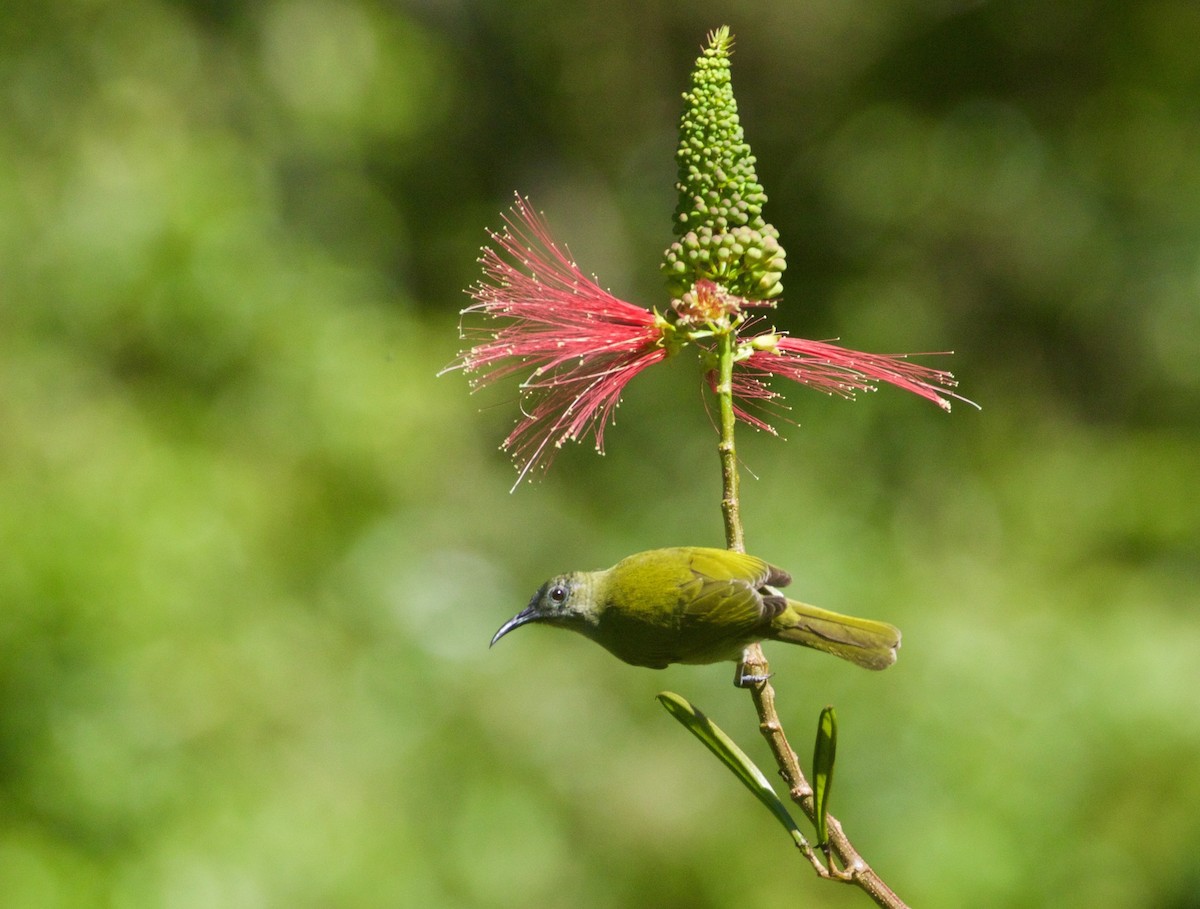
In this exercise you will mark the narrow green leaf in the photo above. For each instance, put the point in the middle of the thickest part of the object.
(824, 753)
(720, 744)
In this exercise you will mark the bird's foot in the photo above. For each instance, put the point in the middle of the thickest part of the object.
(745, 676)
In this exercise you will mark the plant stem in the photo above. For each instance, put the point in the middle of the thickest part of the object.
(755, 673)
(730, 502)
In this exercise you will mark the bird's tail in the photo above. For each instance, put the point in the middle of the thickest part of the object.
(863, 642)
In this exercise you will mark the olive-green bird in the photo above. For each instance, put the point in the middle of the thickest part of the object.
(696, 605)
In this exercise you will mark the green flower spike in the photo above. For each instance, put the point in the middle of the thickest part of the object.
(722, 235)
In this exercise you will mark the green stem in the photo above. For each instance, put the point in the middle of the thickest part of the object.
(754, 672)
(735, 537)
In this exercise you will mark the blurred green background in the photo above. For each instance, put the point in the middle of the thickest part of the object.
(254, 549)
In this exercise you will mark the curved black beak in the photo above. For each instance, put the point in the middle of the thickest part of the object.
(524, 617)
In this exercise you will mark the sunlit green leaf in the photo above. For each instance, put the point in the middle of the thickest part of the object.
(824, 754)
(720, 744)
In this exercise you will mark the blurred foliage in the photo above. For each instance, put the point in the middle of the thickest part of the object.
(255, 550)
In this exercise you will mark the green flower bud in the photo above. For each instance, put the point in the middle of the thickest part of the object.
(722, 236)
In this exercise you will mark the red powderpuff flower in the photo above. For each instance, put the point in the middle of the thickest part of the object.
(581, 344)
(830, 369)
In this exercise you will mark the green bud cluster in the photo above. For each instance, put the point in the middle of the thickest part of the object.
(722, 236)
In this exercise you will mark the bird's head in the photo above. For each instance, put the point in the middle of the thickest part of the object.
(564, 601)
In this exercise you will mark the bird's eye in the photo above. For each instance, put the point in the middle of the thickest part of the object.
(558, 594)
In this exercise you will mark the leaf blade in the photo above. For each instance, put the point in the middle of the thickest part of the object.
(824, 755)
(727, 751)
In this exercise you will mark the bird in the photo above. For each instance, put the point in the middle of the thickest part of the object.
(692, 604)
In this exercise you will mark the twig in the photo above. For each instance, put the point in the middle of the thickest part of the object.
(755, 670)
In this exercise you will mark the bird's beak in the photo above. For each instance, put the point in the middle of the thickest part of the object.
(524, 617)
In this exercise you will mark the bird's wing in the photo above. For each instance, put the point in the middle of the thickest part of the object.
(724, 565)
(721, 602)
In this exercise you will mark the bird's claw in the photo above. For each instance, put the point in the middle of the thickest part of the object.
(743, 678)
